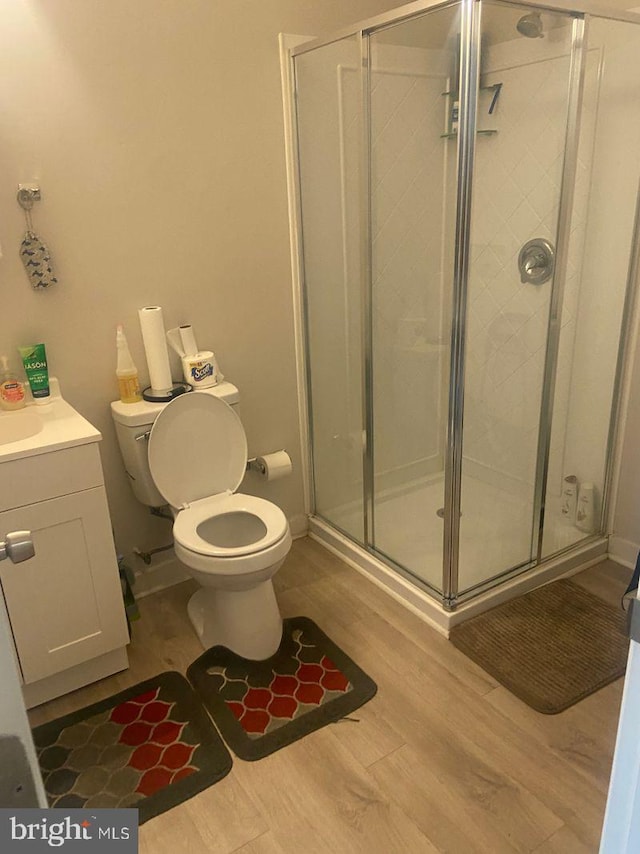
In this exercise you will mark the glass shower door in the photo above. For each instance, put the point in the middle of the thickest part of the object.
(412, 150)
(523, 109)
(329, 149)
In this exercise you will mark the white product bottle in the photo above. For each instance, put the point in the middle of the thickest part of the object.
(11, 389)
(126, 371)
(569, 499)
(585, 512)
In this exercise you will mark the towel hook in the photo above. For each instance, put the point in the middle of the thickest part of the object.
(28, 194)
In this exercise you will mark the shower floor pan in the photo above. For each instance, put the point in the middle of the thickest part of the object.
(495, 530)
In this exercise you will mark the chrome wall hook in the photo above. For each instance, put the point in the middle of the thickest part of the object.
(27, 195)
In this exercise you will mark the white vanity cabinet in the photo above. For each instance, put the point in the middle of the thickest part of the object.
(65, 604)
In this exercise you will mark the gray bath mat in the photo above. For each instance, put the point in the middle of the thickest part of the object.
(551, 647)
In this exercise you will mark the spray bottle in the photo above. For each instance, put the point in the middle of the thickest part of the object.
(126, 370)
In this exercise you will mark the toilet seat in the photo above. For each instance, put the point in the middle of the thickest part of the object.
(192, 532)
(197, 449)
(198, 458)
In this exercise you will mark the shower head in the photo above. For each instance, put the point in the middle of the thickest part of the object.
(530, 26)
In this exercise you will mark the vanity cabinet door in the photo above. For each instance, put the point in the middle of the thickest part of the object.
(65, 604)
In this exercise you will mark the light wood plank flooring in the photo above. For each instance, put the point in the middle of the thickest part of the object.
(442, 760)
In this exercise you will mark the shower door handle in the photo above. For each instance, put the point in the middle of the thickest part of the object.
(536, 261)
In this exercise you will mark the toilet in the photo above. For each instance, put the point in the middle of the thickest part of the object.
(191, 454)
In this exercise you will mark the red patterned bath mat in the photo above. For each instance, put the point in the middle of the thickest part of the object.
(150, 747)
(260, 706)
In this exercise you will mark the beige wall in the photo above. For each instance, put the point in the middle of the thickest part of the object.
(155, 130)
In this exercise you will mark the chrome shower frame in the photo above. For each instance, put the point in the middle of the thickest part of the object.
(471, 10)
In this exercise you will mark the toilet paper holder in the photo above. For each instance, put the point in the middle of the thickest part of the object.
(256, 464)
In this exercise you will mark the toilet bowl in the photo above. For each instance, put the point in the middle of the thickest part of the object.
(232, 544)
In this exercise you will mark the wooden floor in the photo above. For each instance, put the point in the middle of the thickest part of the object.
(442, 760)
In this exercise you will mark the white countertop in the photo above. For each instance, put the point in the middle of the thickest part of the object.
(62, 427)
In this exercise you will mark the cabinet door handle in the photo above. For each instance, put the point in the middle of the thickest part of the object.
(17, 546)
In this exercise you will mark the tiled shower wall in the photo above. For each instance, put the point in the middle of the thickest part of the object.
(606, 202)
(515, 198)
(516, 193)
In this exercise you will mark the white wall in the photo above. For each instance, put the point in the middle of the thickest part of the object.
(155, 131)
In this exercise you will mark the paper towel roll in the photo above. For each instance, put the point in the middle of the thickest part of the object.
(188, 340)
(155, 348)
(274, 466)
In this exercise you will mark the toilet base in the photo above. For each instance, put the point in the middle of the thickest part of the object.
(247, 622)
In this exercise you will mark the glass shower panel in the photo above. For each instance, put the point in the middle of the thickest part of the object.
(329, 132)
(594, 297)
(522, 118)
(413, 109)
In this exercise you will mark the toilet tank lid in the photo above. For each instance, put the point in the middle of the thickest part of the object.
(139, 414)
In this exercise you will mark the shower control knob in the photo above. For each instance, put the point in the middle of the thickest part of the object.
(17, 546)
(536, 261)
(535, 264)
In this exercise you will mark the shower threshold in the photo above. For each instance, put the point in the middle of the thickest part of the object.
(424, 605)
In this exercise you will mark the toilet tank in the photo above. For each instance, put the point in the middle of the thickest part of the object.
(133, 422)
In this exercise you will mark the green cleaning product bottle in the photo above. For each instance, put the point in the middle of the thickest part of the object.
(34, 361)
(126, 370)
(11, 389)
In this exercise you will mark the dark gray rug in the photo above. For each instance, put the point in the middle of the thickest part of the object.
(149, 747)
(261, 706)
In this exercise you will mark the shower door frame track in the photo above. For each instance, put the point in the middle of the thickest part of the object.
(449, 598)
(471, 11)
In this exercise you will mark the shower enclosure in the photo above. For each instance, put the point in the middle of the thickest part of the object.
(467, 183)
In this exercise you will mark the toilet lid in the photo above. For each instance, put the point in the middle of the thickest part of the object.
(197, 448)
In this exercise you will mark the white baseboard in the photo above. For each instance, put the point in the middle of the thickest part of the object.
(168, 571)
(299, 525)
(623, 551)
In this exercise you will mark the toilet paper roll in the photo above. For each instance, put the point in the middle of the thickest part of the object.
(155, 348)
(200, 369)
(188, 340)
(274, 466)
